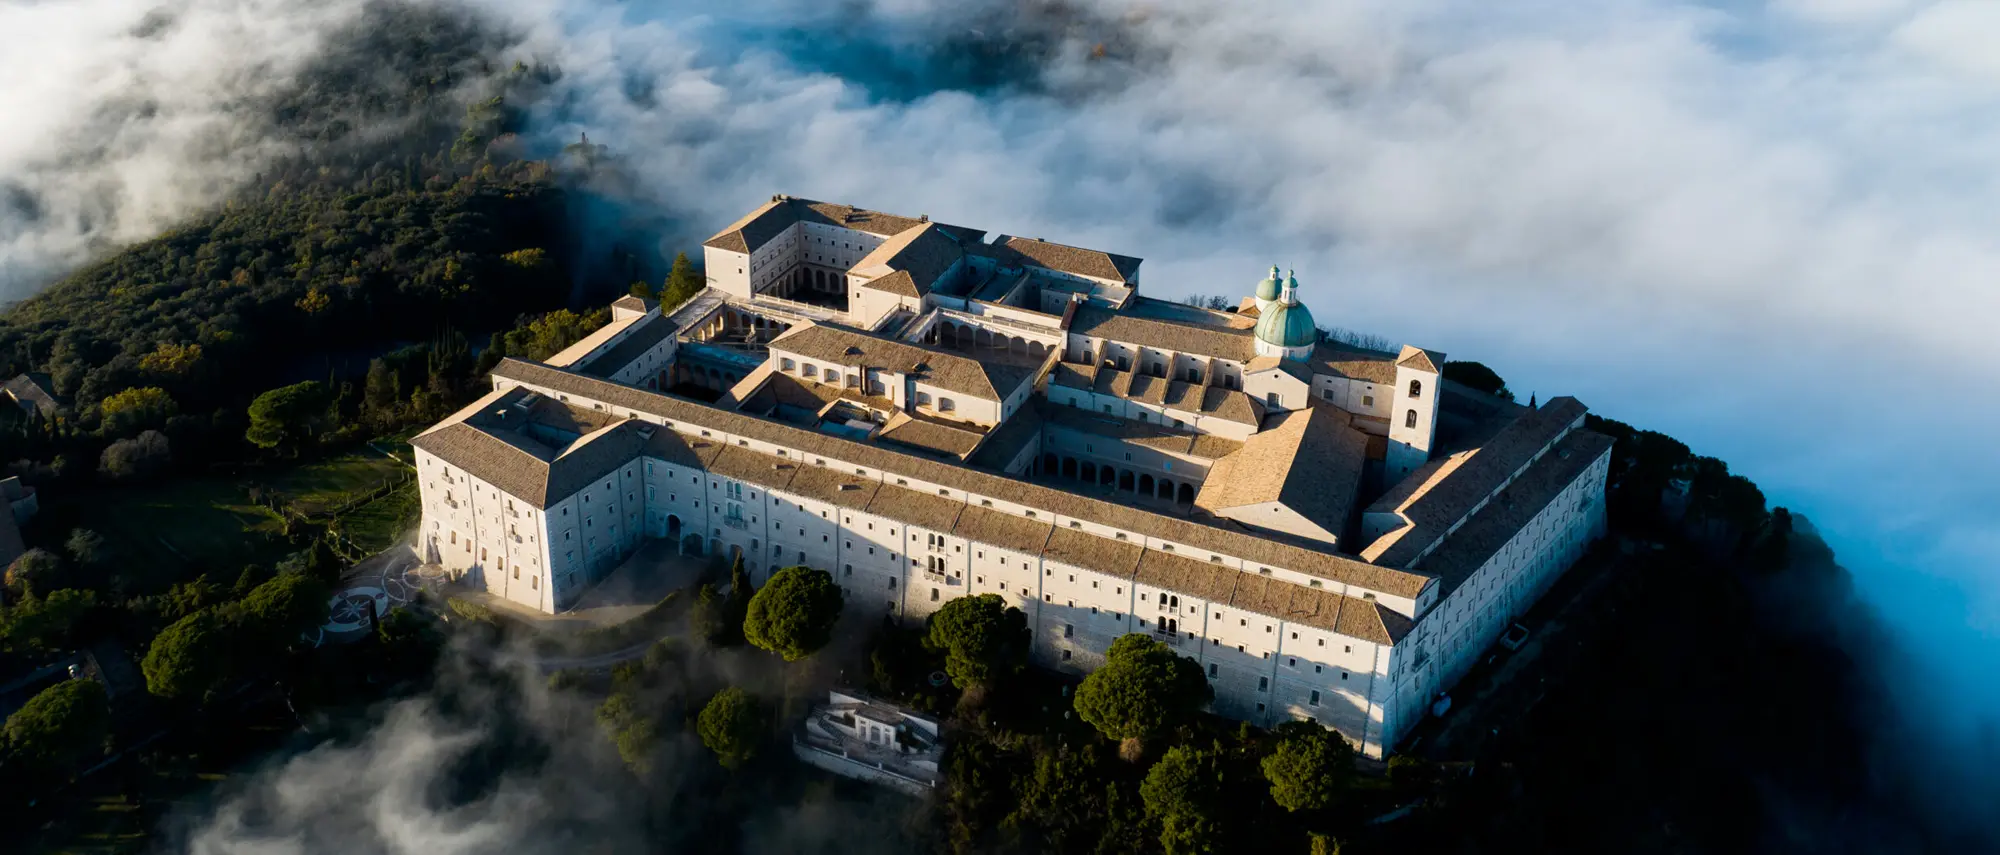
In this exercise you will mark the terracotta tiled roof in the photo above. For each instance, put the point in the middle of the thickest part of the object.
(1452, 489)
(1223, 343)
(529, 465)
(632, 302)
(1216, 401)
(1205, 579)
(1197, 535)
(1340, 360)
(753, 467)
(643, 336)
(834, 486)
(1004, 530)
(1309, 461)
(918, 258)
(772, 218)
(929, 436)
(1076, 260)
(1093, 552)
(991, 381)
(1507, 513)
(1419, 359)
(924, 510)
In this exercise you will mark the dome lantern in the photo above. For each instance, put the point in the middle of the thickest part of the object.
(1285, 328)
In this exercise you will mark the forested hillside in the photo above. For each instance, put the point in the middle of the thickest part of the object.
(400, 209)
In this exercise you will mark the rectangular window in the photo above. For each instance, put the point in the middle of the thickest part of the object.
(1314, 699)
(1263, 684)
(1211, 669)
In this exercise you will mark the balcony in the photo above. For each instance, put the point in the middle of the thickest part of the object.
(936, 578)
(735, 522)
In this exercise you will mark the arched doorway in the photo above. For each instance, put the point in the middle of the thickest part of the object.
(1187, 494)
(1089, 471)
(1069, 467)
(1146, 484)
(673, 526)
(1048, 463)
(1125, 480)
(1106, 476)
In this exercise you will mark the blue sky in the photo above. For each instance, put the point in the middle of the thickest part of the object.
(1764, 228)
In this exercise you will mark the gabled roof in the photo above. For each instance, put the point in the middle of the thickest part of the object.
(1340, 360)
(528, 452)
(1507, 513)
(1238, 345)
(1445, 492)
(1196, 535)
(634, 303)
(1310, 461)
(644, 335)
(1004, 530)
(772, 218)
(34, 391)
(991, 381)
(834, 486)
(1420, 359)
(930, 436)
(910, 263)
(1074, 260)
(1092, 552)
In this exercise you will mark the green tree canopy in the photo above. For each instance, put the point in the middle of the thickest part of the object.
(189, 658)
(983, 639)
(43, 623)
(1143, 690)
(682, 283)
(279, 611)
(706, 618)
(136, 458)
(35, 570)
(1182, 791)
(1310, 767)
(1478, 377)
(287, 416)
(547, 335)
(84, 545)
(60, 727)
(634, 730)
(794, 613)
(134, 410)
(732, 726)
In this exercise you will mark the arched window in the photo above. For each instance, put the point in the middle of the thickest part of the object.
(1416, 389)
(1410, 419)
(946, 405)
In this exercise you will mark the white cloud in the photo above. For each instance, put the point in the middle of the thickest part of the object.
(1962, 35)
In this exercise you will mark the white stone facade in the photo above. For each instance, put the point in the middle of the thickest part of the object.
(596, 460)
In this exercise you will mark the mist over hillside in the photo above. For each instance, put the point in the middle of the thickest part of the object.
(1760, 230)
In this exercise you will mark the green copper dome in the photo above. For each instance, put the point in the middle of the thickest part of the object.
(1267, 290)
(1287, 323)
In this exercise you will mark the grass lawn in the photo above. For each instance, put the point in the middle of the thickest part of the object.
(398, 443)
(379, 524)
(323, 485)
(163, 533)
